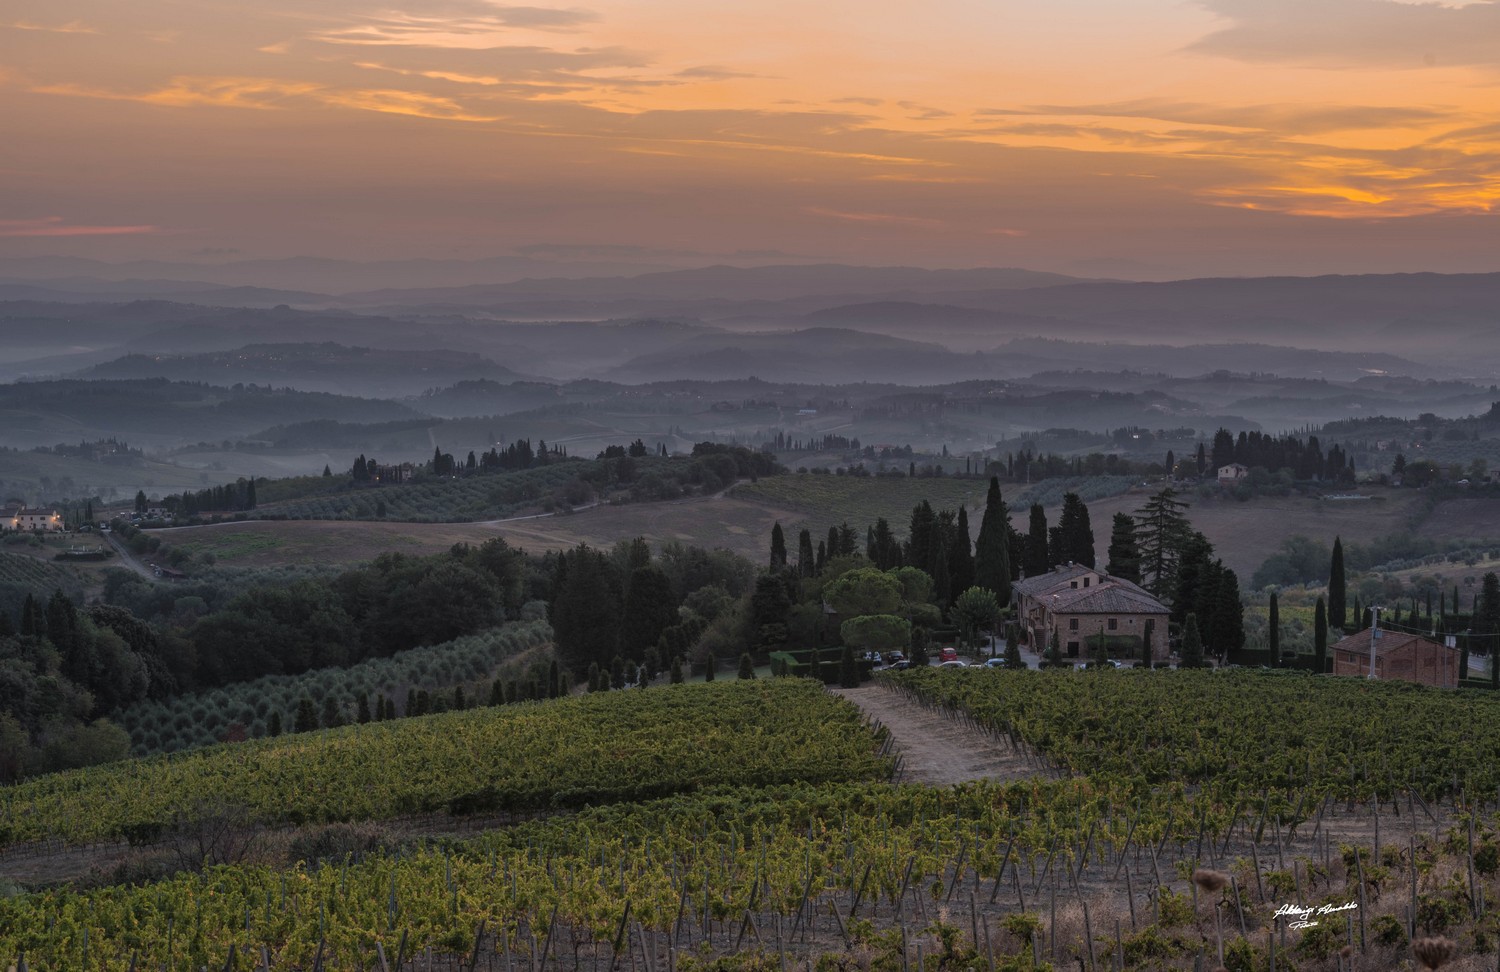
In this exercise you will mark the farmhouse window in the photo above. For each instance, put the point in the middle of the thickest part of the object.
(1072, 624)
(1114, 624)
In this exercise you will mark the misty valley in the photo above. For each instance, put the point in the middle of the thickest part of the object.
(742, 618)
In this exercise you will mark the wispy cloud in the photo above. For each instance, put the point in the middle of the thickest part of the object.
(58, 226)
(886, 218)
(462, 25)
(189, 91)
(71, 27)
(396, 102)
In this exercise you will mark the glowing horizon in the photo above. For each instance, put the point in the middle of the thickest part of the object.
(1217, 135)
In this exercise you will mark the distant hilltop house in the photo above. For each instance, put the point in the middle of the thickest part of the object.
(1077, 603)
(1232, 473)
(1398, 655)
(42, 520)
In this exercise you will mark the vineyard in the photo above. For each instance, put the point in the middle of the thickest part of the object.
(531, 756)
(1021, 876)
(1247, 736)
(21, 574)
(191, 721)
(1172, 820)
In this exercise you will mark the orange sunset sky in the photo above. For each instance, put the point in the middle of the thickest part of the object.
(1149, 138)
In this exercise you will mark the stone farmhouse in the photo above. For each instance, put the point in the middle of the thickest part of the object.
(1232, 473)
(1078, 603)
(42, 520)
(1398, 655)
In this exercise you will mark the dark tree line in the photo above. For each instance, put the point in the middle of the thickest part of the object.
(1258, 450)
(230, 498)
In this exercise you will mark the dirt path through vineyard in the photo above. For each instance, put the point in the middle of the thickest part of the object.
(934, 748)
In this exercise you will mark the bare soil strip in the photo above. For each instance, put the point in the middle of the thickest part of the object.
(934, 748)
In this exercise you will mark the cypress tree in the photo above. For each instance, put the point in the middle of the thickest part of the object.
(273, 725)
(920, 638)
(593, 676)
(885, 549)
(778, 547)
(922, 538)
(390, 709)
(307, 716)
(1076, 533)
(806, 559)
(1192, 644)
(459, 702)
(1228, 619)
(411, 704)
(1054, 651)
(676, 676)
(960, 554)
(497, 692)
(1320, 637)
(747, 667)
(513, 692)
(649, 610)
(1124, 553)
(362, 709)
(942, 582)
(1013, 657)
(1039, 559)
(33, 621)
(848, 669)
(554, 681)
(1273, 630)
(1337, 588)
(1487, 610)
(992, 550)
(710, 667)
(424, 702)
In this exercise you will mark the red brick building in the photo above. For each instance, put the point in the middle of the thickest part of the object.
(1409, 657)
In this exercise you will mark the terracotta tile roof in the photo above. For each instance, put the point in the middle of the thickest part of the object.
(1110, 597)
(1389, 641)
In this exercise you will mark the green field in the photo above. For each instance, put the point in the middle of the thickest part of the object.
(861, 500)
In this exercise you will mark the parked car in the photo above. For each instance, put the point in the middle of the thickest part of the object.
(948, 655)
(955, 663)
(994, 663)
(891, 657)
(901, 665)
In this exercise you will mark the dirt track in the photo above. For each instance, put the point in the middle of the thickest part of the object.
(935, 749)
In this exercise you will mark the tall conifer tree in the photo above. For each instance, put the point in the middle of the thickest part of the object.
(992, 550)
(1337, 588)
(1039, 557)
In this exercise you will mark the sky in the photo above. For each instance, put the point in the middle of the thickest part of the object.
(1124, 138)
